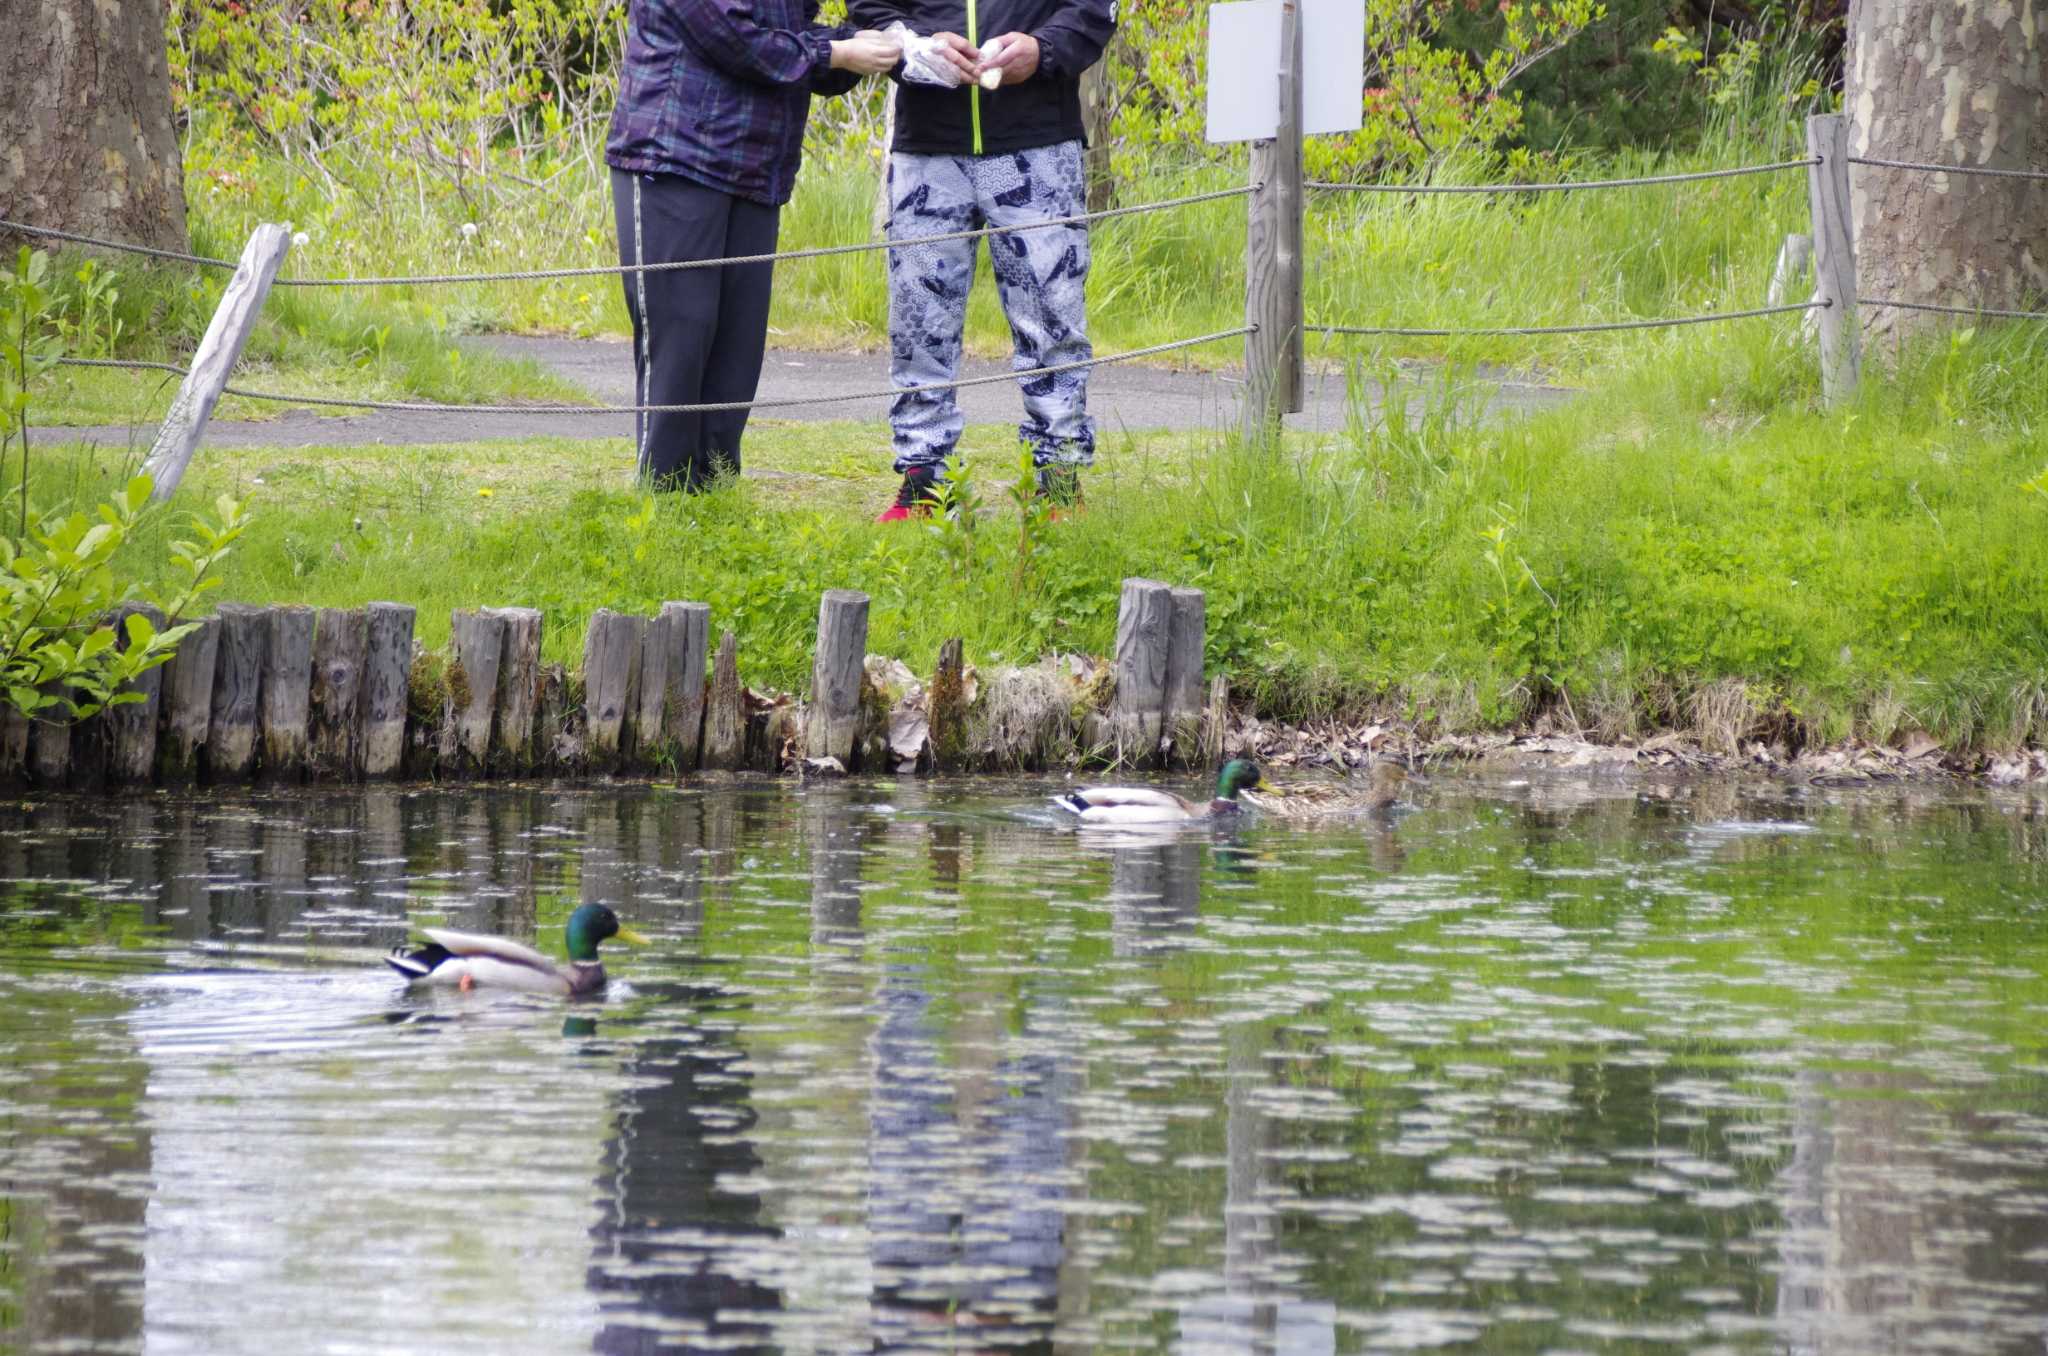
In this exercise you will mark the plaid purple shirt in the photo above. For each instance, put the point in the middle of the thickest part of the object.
(717, 91)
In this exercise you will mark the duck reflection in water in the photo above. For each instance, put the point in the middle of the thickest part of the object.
(680, 1126)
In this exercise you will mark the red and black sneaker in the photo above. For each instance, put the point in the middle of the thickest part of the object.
(917, 496)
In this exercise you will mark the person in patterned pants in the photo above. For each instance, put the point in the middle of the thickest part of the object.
(966, 157)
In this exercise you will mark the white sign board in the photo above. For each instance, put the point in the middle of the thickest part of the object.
(1244, 68)
(1332, 66)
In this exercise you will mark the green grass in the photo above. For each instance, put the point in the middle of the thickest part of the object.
(1692, 532)
(1438, 261)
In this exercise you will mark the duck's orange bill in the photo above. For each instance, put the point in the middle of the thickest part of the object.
(628, 935)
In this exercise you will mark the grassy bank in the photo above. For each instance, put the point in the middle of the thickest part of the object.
(1691, 545)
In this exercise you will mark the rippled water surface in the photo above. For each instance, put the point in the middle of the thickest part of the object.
(1531, 1067)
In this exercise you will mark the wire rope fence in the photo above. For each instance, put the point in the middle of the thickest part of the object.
(1275, 318)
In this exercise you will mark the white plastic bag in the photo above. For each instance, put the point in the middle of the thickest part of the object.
(923, 63)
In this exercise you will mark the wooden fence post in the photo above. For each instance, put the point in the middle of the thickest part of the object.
(219, 351)
(519, 684)
(238, 679)
(1186, 637)
(688, 629)
(341, 642)
(832, 721)
(611, 663)
(286, 702)
(1273, 264)
(132, 726)
(187, 704)
(478, 639)
(1137, 713)
(649, 744)
(725, 724)
(387, 687)
(1834, 257)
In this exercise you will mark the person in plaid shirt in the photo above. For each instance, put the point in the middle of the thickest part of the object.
(704, 147)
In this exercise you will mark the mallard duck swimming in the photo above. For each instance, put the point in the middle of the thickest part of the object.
(1326, 799)
(1149, 805)
(466, 959)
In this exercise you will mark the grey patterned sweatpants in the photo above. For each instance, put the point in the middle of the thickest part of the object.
(1041, 276)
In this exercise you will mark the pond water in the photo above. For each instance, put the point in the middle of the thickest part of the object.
(1535, 1066)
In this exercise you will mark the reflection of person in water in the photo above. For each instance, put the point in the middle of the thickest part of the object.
(679, 1128)
(964, 1200)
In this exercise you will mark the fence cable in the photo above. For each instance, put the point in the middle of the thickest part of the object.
(610, 270)
(1983, 170)
(1600, 328)
(816, 252)
(1951, 310)
(1568, 186)
(206, 261)
(133, 364)
(423, 407)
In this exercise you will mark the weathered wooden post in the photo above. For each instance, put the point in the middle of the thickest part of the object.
(187, 704)
(1273, 264)
(611, 664)
(1186, 636)
(687, 628)
(649, 745)
(832, 721)
(1216, 721)
(478, 639)
(1137, 713)
(49, 744)
(387, 687)
(1834, 256)
(946, 709)
(285, 706)
(13, 746)
(219, 351)
(725, 724)
(519, 690)
(237, 682)
(131, 726)
(341, 644)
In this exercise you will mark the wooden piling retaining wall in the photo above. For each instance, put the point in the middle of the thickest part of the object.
(286, 695)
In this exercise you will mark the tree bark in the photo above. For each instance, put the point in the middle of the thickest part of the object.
(1952, 82)
(85, 93)
(1096, 113)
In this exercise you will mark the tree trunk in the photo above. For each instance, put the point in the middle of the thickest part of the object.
(1095, 119)
(1952, 82)
(85, 93)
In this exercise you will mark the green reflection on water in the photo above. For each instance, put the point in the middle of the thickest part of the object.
(1530, 1067)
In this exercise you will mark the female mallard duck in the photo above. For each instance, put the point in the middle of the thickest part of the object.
(466, 959)
(1327, 799)
(1149, 805)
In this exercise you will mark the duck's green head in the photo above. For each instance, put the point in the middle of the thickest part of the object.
(1239, 774)
(592, 924)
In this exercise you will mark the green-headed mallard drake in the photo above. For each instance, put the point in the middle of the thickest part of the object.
(466, 959)
(1327, 799)
(1149, 805)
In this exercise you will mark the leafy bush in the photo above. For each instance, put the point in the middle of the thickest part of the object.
(60, 653)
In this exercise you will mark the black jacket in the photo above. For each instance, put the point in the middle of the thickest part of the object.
(1043, 111)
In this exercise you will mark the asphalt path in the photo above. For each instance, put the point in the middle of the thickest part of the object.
(1132, 396)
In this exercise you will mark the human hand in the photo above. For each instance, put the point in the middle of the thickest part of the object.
(959, 53)
(866, 53)
(1012, 56)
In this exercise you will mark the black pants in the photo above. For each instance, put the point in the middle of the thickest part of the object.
(698, 333)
